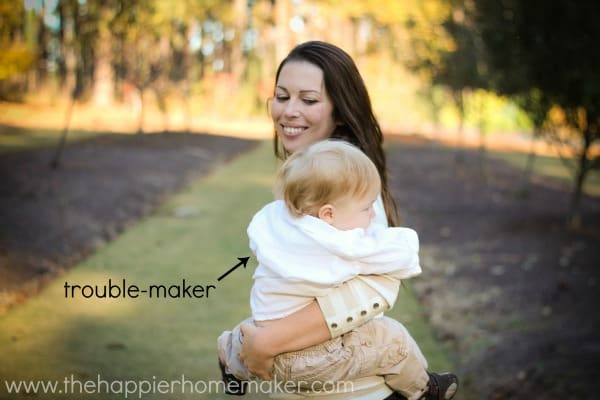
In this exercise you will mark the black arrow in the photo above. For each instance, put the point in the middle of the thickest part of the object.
(243, 261)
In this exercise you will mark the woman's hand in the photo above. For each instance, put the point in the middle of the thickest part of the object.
(258, 362)
(297, 331)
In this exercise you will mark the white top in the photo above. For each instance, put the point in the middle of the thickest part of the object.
(299, 259)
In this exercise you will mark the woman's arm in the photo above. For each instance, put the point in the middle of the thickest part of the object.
(343, 309)
(302, 329)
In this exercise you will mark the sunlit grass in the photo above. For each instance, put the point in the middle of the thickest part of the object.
(16, 138)
(552, 167)
(409, 312)
(33, 125)
(52, 337)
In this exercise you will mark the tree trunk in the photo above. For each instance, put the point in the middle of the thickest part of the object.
(142, 104)
(68, 48)
(483, 154)
(185, 92)
(32, 38)
(283, 35)
(238, 61)
(460, 132)
(54, 164)
(530, 163)
(103, 72)
(574, 217)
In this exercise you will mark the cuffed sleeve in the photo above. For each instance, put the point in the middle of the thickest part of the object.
(357, 301)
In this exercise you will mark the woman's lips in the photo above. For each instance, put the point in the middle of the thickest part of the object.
(292, 130)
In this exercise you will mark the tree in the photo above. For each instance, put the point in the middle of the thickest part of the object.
(17, 56)
(144, 52)
(536, 106)
(549, 48)
(457, 69)
(454, 63)
(103, 69)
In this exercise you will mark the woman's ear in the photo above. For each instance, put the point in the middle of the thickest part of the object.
(326, 213)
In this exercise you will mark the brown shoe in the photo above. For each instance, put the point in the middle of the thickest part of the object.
(441, 386)
(233, 385)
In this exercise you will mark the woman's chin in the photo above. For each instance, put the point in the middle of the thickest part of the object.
(293, 142)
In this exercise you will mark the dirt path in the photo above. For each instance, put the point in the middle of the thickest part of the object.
(49, 219)
(505, 286)
(512, 293)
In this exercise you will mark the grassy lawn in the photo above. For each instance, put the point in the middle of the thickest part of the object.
(51, 337)
(552, 167)
(17, 138)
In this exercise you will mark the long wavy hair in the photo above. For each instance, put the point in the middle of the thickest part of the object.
(352, 110)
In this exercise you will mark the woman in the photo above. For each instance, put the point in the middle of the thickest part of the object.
(319, 94)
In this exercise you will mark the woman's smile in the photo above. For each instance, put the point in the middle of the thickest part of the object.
(292, 130)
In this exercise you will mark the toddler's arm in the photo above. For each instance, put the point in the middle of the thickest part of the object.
(389, 251)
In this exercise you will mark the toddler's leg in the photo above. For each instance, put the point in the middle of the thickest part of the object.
(403, 365)
(229, 344)
(381, 346)
(314, 367)
(391, 351)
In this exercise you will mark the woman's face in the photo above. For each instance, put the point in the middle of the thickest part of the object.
(301, 110)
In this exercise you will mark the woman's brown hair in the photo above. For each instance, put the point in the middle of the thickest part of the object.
(352, 109)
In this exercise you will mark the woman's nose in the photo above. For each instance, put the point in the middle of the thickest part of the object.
(292, 109)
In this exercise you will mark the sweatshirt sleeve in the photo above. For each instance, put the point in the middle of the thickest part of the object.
(390, 251)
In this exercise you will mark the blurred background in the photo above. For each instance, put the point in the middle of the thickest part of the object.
(109, 107)
(423, 61)
(426, 62)
(430, 65)
(472, 71)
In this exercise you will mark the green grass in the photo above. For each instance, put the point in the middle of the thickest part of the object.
(409, 312)
(51, 337)
(16, 138)
(552, 167)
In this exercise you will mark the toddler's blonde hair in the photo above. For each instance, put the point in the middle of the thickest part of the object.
(326, 172)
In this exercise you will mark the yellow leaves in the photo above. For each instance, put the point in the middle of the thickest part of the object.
(435, 12)
(389, 12)
(10, 11)
(557, 115)
(16, 58)
(581, 119)
(565, 123)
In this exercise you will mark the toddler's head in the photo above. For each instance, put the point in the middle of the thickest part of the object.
(331, 180)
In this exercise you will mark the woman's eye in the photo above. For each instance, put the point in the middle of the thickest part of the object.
(281, 98)
(310, 101)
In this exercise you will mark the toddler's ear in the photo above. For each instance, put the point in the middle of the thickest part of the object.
(326, 213)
